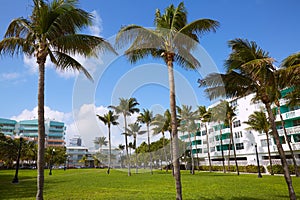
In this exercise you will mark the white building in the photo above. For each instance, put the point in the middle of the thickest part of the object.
(245, 140)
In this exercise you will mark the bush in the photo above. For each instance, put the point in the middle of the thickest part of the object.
(278, 169)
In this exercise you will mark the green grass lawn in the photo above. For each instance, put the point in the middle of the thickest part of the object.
(96, 184)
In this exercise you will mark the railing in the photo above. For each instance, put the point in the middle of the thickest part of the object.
(291, 130)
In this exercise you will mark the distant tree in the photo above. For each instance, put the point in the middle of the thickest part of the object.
(126, 107)
(109, 119)
(146, 117)
(101, 141)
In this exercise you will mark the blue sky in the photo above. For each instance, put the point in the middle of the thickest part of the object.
(272, 24)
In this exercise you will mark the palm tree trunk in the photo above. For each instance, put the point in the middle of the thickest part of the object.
(191, 150)
(208, 150)
(195, 137)
(126, 145)
(136, 157)
(41, 131)
(149, 149)
(176, 164)
(269, 154)
(109, 147)
(288, 141)
(171, 153)
(281, 153)
(230, 143)
(165, 153)
(234, 152)
(222, 152)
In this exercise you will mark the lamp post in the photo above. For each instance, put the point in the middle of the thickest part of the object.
(16, 179)
(52, 152)
(259, 174)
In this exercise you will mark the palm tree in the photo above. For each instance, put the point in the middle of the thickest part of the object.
(187, 118)
(146, 117)
(109, 119)
(101, 141)
(258, 121)
(249, 69)
(204, 116)
(172, 40)
(51, 31)
(121, 147)
(161, 124)
(230, 117)
(218, 115)
(126, 107)
(134, 130)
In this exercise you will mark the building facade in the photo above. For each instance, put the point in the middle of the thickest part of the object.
(245, 140)
(54, 130)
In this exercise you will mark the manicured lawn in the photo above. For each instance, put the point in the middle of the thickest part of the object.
(96, 184)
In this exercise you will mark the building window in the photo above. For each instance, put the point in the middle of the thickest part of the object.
(238, 134)
(296, 122)
(239, 146)
(264, 142)
(236, 123)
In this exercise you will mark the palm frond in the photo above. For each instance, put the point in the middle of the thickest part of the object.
(66, 62)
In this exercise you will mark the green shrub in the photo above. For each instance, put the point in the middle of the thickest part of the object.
(278, 169)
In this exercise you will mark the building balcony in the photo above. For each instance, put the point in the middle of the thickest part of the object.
(289, 115)
(289, 131)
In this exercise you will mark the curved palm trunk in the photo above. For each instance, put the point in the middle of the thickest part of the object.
(126, 146)
(222, 152)
(191, 150)
(288, 141)
(234, 152)
(269, 154)
(109, 147)
(208, 150)
(281, 153)
(171, 153)
(175, 147)
(149, 149)
(41, 130)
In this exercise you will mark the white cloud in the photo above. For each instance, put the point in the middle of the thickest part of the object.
(97, 27)
(9, 76)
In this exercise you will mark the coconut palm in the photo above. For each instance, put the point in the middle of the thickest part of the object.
(172, 40)
(51, 32)
(249, 69)
(204, 116)
(134, 130)
(101, 141)
(126, 107)
(161, 124)
(230, 117)
(187, 117)
(109, 119)
(258, 121)
(218, 115)
(146, 117)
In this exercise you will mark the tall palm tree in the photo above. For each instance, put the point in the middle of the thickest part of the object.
(161, 124)
(121, 147)
(51, 31)
(187, 117)
(134, 130)
(218, 115)
(258, 121)
(126, 107)
(146, 117)
(249, 69)
(204, 116)
(109, 119)
(101, 141)
(172, 40)
(230, 117)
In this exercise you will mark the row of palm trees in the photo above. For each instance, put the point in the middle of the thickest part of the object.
(52, 31)
(249, 69)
